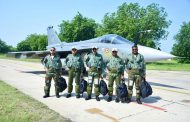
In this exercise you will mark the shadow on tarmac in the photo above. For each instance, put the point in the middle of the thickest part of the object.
(64, 73)
(35, 72)
(151, 99)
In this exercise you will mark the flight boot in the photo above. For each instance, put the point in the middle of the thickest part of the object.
(46, 95)
(138, 101)
(97, 98)
(109, 99)
(88, 97)
(128, 100)
(57, 95)
(77, 95)
(117, 100)
(68, 95)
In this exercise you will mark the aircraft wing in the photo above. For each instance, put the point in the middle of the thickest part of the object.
(42, 54)
(27, 54)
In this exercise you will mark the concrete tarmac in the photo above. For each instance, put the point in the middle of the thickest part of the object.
(170, 101)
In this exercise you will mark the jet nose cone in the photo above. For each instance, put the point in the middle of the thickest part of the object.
(164, 55)
(151, 54)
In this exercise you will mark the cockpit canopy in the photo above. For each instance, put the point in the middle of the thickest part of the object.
(113, 39)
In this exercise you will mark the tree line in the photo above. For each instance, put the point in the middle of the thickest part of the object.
(127, 21)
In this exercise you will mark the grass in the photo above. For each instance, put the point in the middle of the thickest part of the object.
(168, 65)
(3, 56)
(18, 107)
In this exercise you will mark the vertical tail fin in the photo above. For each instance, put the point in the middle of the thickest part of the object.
(52, 36)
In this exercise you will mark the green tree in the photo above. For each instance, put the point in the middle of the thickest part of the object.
(182, 46)
(132, 18)
(33, 42)
(80, 28)
(4, 48)
(13, 49)
(24, 46)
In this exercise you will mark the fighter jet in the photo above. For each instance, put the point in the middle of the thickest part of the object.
(105, 44)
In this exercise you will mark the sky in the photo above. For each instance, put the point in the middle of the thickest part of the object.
(20, 18)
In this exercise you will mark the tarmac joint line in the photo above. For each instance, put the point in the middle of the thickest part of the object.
(181, 92)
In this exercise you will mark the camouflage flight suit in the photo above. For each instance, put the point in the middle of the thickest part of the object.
(116, 69)
(95, 64)
(136, 70)
(53, 66)
(76, 66)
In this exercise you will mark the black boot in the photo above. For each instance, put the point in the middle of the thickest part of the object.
(57, 95)
(88, 97)
(68, 95)
(128, 100)
(46, 95)
(78, 96)
(117, 100)
(97, 98)
(138, 101)
(109, 99)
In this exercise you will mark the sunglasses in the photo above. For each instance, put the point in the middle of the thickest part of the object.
(114, 51)
(52, 50)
